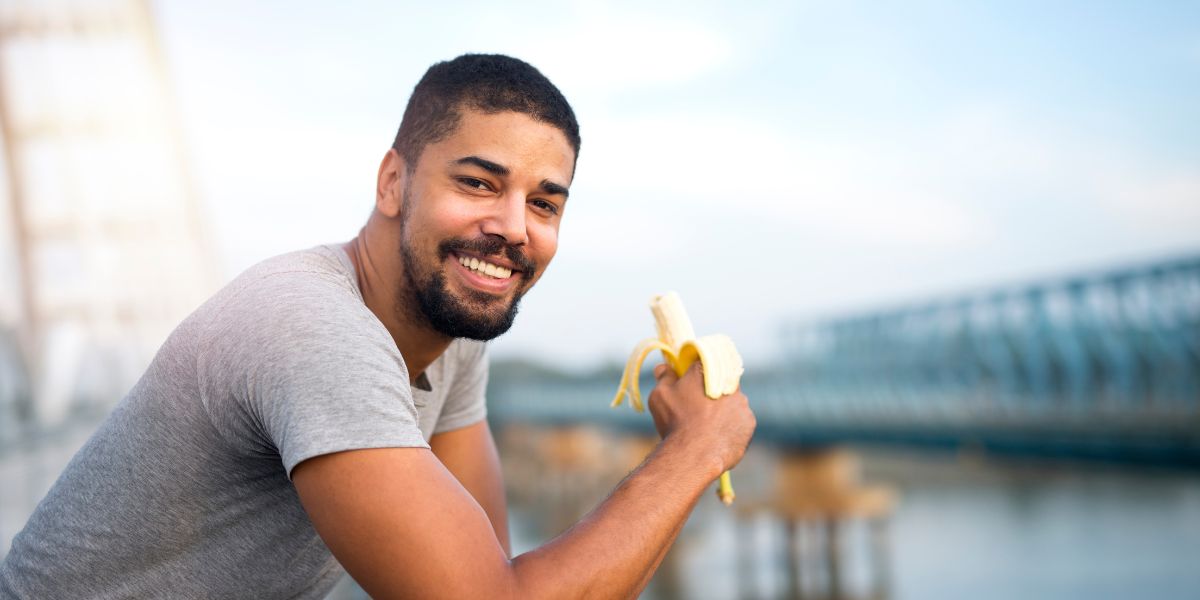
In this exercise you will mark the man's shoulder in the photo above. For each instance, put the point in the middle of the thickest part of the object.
(328, 261)
(319, 270)
(282, 314)
(308, 286)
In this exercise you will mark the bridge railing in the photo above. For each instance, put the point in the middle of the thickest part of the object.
(1125, 342)
(1105, 364)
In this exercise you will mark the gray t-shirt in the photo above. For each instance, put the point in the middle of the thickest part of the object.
(184, 491)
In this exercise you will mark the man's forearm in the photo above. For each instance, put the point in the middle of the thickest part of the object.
(405, 527)
(612, 552)
(662, 554)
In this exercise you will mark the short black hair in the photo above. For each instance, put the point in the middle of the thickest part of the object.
(488, 83)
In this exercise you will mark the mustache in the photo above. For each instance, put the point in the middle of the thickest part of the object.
(490, 246)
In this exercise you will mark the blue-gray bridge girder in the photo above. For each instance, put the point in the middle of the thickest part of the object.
(1103, 365)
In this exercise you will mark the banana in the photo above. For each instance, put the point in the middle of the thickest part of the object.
(722, 365)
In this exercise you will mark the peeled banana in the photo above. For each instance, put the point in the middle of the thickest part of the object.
(722, 365)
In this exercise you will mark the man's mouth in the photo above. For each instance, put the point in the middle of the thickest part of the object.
(484, 268)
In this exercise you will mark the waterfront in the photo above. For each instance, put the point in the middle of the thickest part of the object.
(1001, 530)
(972, 527)
(966, 526)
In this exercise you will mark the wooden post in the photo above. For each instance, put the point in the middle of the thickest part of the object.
(794, 558)
(833, 551)
(880, 559)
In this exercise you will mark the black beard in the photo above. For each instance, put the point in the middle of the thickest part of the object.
(451, 316)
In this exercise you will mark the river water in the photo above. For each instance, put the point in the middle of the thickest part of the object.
(973, 527)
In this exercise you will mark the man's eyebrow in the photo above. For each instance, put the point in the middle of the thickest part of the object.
(552, 188)
(500, 170)
(487, 165)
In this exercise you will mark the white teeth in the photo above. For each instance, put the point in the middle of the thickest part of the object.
(485, 268)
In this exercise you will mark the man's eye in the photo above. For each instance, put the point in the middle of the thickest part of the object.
(471, 182)
(547, 206)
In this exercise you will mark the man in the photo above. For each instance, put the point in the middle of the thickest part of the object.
(326, 408)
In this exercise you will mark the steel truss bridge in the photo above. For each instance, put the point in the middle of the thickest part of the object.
(1102, 365)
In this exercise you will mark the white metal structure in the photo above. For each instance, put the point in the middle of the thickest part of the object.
(103, 247)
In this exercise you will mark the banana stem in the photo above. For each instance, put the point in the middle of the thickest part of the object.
(725, 489)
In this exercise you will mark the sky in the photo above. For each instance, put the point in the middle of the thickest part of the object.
(773, 162)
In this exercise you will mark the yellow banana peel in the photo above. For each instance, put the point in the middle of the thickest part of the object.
(719, 358)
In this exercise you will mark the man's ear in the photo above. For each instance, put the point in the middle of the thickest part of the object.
(389, 185)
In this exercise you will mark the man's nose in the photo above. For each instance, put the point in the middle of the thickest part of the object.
(507, 219)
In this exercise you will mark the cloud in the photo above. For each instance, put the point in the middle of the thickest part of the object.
(860, 189)
(1165, 200)
(972, 176)
(1087, 176)
(601, 51)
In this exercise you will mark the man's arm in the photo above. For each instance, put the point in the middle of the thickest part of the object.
(661, 370)
(404, 527)
(470, 455)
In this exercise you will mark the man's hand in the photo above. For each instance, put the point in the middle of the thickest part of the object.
(681, 409)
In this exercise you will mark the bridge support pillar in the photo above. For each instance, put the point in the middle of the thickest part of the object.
(816, 494)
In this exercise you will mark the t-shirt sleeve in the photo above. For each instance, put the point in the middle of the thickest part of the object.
(466, 399)
(298, 364)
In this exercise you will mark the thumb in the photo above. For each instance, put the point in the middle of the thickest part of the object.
(664, 371)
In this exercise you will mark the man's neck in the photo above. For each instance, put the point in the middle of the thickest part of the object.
(378, 269)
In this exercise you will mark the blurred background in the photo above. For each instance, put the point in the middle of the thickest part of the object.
(957, 243)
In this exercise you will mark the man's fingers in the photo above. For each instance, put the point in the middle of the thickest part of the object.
(660, 370)
(664, 374)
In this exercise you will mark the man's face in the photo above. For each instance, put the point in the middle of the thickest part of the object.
(479, 221)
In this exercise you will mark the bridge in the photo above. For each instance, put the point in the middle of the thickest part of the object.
(1100, 365)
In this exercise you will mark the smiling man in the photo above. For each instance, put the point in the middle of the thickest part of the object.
(325, 410)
